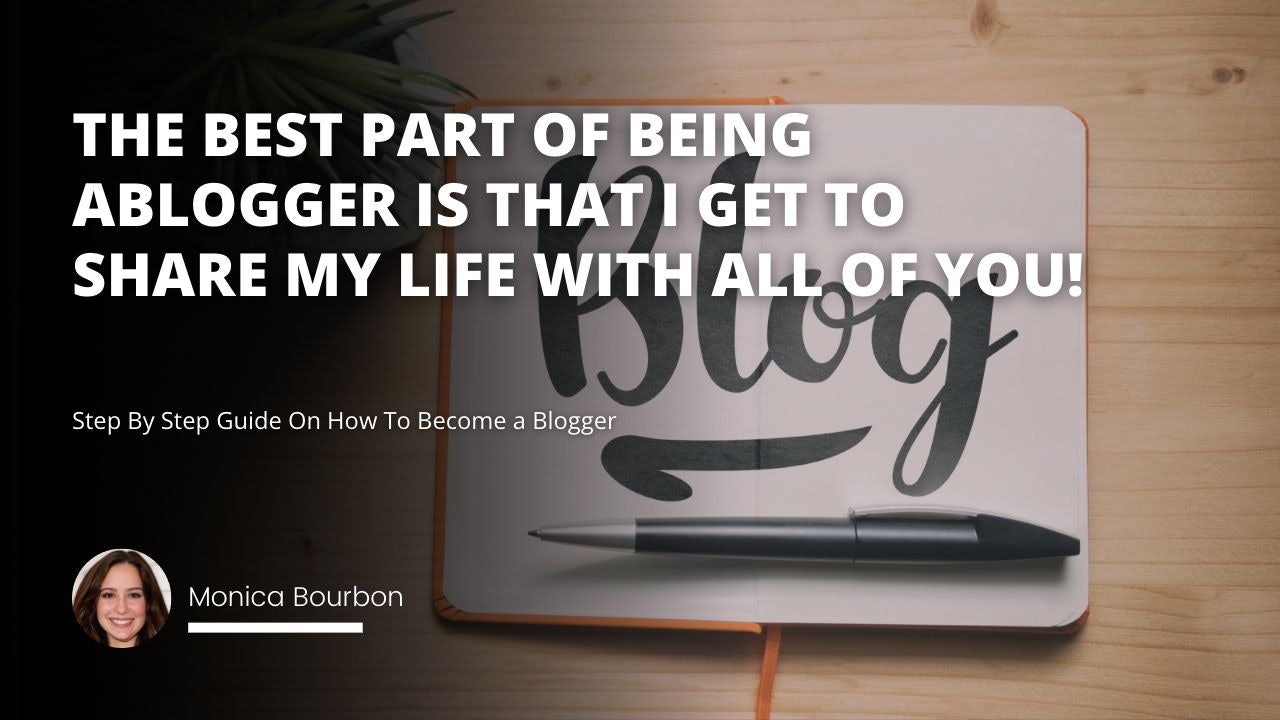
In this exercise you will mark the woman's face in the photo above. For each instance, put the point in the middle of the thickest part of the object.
(122, 606)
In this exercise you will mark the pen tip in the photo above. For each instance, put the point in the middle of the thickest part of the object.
(535, 533)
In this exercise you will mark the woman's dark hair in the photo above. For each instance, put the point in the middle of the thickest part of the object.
(85, 604)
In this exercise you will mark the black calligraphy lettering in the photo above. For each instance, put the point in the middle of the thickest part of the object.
(786, 335)
(956, 404)
(717, 316)
(659, 318)
(643, 464)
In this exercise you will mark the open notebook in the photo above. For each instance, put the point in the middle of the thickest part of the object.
(1002, 432)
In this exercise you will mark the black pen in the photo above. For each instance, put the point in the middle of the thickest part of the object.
(886, 536)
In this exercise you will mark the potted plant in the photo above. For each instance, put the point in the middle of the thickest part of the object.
(278, 56)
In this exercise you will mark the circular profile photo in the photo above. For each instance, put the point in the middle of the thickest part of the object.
(121, 598)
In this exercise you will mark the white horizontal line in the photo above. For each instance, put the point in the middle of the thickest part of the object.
(275, 627)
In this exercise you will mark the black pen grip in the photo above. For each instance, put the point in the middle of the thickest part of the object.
(925, 540)
(978, 538)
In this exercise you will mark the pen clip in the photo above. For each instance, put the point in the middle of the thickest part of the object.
(930, 512)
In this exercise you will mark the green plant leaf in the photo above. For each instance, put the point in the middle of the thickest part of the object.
(345, 99)
(185, 81)
(385, 32)
(269, 93)
(343, 74)
(383, 8)
(292, 88)
(296, 27)
(214, 93)
(241, 85)
(287, 56)
(331, 5)
(425, 77)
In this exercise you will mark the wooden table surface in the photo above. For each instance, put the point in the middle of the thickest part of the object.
(1182, 99)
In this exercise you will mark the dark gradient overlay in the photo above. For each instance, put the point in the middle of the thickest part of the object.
(269, 510)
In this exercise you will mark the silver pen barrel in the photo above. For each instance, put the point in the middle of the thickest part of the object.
(613, 535)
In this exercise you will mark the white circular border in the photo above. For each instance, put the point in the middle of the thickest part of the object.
(161, 578)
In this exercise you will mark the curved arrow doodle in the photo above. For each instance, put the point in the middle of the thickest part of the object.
(640, 464)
